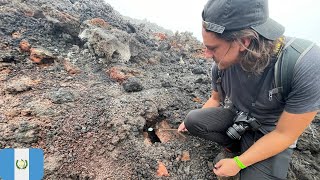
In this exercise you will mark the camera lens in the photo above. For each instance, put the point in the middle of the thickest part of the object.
(235, 131)
(233, 134)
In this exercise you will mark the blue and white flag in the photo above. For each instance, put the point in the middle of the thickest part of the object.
(21, 164)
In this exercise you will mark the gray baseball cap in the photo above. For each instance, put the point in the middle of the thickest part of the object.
(231, 15)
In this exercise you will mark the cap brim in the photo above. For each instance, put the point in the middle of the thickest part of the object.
(270, 29)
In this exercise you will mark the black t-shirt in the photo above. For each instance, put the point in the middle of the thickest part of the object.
(240, 87)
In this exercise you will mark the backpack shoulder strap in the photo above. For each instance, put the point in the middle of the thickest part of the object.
(219, 87)
(292, 53)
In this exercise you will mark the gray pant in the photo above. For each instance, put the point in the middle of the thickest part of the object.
(212, 123)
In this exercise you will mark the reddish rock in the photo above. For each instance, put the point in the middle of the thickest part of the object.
(69, 67)
(162, 170)
(4, 73)
(98, 22)
(12, 113)
(197, 99)
(185, 156)
(24, 45)
(116, 74)
(160, 36)
(39, 55)
(163, 133)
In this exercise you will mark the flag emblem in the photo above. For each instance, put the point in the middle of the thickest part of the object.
(21, 164)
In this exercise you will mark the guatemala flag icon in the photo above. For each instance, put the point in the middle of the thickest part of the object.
(21, 164)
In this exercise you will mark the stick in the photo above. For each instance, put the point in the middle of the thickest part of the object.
(182, 135)
(173, 130)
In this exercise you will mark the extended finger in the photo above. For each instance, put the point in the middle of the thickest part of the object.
(184, 130)
(181, 127)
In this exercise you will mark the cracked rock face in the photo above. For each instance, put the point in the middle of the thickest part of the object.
(83, 83)
(107, 45)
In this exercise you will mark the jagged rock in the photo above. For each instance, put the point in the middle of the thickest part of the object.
(41, 55)
(62, 21)
(150, 112)
(112, 45)
(132, 85)
(116, 74)
(69, 67)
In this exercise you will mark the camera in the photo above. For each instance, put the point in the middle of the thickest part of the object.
(242, 123)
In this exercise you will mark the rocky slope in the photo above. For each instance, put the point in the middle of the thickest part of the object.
(83, 83)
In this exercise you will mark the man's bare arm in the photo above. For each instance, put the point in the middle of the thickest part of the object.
(289, 128)
(213, 101)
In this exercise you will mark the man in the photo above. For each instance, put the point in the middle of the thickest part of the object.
(245, 45)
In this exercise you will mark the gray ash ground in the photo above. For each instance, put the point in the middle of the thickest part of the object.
(101, 81)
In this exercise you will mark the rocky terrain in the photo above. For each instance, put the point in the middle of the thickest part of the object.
(84, 84)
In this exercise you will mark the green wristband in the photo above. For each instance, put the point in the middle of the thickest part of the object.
(239, 163)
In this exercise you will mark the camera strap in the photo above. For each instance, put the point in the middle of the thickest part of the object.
(219, 88)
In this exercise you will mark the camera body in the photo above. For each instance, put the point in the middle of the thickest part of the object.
(242, 123)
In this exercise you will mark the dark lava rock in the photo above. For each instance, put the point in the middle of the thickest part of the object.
(132, 85)
(199, 70)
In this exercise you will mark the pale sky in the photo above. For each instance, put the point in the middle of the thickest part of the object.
(300, 17)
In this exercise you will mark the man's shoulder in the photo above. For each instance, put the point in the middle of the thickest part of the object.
(310, 58)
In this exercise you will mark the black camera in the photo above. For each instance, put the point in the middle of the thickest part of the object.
(242, 123)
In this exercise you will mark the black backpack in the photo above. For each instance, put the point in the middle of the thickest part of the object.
(292, 52)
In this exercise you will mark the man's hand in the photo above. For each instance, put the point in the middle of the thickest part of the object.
(226, 167)
(182, 128)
